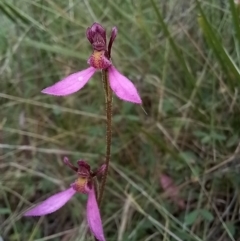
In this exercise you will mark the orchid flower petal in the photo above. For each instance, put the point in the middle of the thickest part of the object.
(123, 87)
(112, 38)
(51, 204)
(93, 216)
(70, 84)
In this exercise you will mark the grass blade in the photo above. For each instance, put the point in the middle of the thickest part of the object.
(214, 42)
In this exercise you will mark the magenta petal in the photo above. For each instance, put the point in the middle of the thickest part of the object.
(70, 84)
(93, 216)
(51, 204)
(123, 87)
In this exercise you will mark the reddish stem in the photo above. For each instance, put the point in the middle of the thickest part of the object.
(108, 102)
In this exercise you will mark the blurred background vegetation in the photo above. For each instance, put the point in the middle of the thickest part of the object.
(183, 56)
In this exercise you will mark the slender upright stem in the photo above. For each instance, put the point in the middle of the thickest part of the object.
(108, 103)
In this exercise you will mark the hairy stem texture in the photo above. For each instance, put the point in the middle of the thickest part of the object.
(108, 103)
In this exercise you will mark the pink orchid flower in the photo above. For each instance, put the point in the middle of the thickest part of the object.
(100, 59)
(83, 184)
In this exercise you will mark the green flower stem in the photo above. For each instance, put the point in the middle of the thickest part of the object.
(108, 102)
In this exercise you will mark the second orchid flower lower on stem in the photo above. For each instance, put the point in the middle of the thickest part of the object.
(83, 184)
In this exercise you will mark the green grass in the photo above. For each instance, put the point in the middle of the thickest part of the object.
(184, 58)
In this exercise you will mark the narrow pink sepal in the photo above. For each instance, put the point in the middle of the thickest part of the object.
(123, 87)
(93, 216)
(51, 204)
(70, 84)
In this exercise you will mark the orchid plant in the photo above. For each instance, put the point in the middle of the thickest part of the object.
(113, 81)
